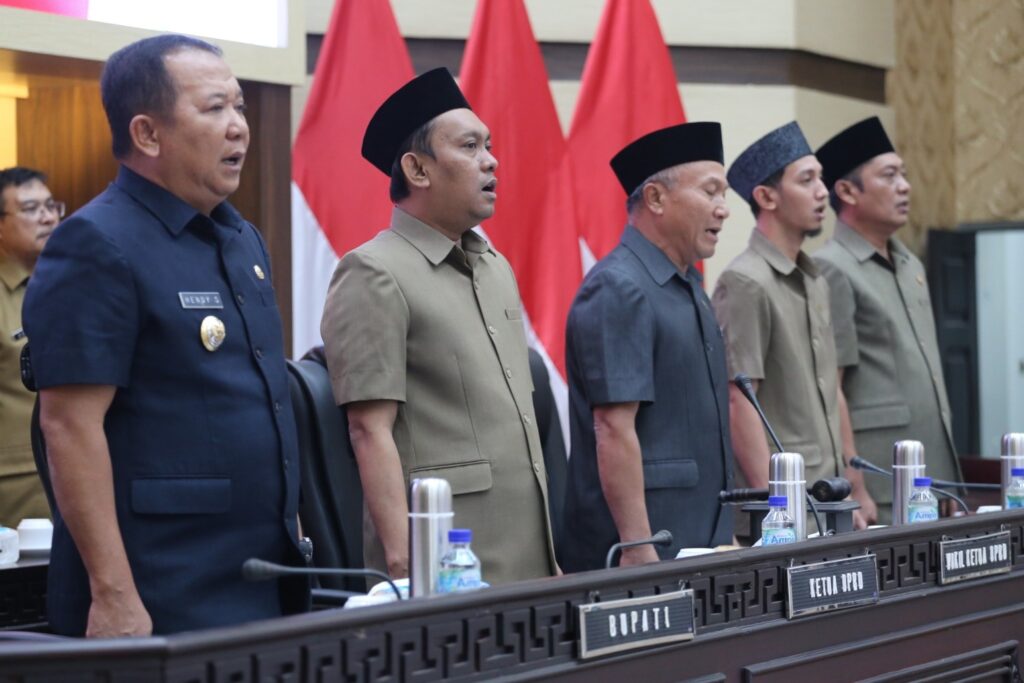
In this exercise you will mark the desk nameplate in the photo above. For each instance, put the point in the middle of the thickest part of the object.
(633, 623)
(836, 584)
(971, 558)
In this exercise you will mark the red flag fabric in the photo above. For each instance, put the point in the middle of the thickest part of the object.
(504, 79)
(338, 199)
(628, 89)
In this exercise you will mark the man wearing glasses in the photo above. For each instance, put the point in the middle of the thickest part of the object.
(28, 214)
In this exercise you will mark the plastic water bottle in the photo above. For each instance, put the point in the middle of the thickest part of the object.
(1015, 493)
(460, 568)
(777, 527)
(922, 506)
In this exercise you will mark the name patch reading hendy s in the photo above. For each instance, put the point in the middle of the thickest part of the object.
(200, 300)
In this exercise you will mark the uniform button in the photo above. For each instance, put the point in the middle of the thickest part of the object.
(935, 378)
(259, 353)
(536, 466)
(286, 462)
(821, 382)
(241, 299)
(490, 328)
(277, 406)
(526, 419)
(476, 285)
(707, 347)
(508, 372)
(814, 342)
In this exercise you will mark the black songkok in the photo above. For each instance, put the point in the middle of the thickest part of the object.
(414, 104)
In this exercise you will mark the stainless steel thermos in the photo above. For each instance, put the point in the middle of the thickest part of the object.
(430, 520)
(907, 463)
(786, 478)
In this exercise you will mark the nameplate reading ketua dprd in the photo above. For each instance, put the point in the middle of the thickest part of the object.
(836, 584)
(633, 623)
(969, 558)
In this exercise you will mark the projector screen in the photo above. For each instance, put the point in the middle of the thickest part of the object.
(255, 22)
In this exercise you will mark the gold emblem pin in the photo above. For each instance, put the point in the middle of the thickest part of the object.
(259, 272)
(920, 280)
(211, 333)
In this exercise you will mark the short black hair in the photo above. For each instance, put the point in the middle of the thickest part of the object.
(135, 81)
(16, 176)
(418, 142)
(773, 181)
(855, 178)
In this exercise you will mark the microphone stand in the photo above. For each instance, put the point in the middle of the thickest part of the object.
(255, 569)
(862, 464)
(663, 537)
(742, 382)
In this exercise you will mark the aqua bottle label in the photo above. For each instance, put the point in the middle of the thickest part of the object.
(922, 513)
(778, 536)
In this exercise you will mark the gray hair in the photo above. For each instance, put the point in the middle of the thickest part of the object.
(666, 177)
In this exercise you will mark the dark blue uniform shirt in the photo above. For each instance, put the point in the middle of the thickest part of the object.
(202, 444)
(639, 330)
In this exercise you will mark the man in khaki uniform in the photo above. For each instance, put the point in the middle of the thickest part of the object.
(426, 349)
(28, 214)
(888, 356)
(773, 305)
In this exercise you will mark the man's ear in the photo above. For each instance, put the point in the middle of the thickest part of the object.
(653, 195)
(414, 170)
(845, 191)
(144, 134)
(765, 198)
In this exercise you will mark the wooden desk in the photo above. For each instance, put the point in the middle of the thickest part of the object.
(528, 631)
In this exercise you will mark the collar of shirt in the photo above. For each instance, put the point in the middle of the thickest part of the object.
(12, 273)
(431, 243)
(654, 259)
(170, 210)
(863, 250)
(779, 261)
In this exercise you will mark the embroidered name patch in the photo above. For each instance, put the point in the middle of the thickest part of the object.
(200, 300)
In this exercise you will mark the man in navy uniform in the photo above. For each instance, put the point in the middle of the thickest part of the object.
(648, 393)
(157, 348)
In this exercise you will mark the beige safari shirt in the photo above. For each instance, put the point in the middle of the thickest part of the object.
(18, 495)
(777, 326)
(414, 318)
(885, 338)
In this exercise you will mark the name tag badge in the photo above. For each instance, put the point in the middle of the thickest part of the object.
(200, 300)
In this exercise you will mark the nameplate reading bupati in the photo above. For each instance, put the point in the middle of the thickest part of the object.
(619, 625)
(836, 584)
(969, 558)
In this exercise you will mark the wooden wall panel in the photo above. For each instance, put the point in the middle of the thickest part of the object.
(63, 132)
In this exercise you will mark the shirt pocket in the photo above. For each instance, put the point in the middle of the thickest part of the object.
(181, 495)
(466, 477)
(811, 453)
(670, 474)
(879, 416)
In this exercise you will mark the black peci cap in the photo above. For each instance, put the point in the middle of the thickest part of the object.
(665, 148)
(849, 149)
(414, 104)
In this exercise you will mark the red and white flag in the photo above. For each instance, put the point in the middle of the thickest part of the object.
(628, 89)
(505, 80)
(338, 199)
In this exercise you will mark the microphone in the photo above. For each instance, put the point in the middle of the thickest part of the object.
(255, 569)
(743, 383)
(861, 464)
(826, 490)
(663, 537)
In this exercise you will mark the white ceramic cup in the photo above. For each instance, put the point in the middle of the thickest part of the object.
(35, 533)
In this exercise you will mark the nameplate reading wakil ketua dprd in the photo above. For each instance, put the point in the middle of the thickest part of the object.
(836, 584)
(618, 625)
(969, 558)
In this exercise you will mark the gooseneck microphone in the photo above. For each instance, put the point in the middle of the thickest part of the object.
(861, 464)
(828, 490)
(255, 569)
(663, 537)
(745, 386)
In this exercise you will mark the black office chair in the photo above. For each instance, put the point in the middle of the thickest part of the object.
(331, 505)
(552, 444)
